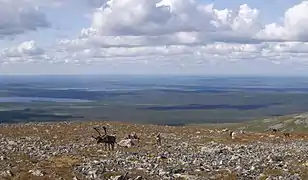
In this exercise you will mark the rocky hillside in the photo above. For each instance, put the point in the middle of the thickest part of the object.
(67, 151)
(290, 123)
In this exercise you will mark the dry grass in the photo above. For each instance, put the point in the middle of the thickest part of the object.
(63, 134)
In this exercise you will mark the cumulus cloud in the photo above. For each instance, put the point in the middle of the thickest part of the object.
(19, 16)
(176, 32)
(166, 30)
(27, 51)
(95, 3)
(194, 20)
(168, 17)
(134, 23)
(28, 48)
(293, 28)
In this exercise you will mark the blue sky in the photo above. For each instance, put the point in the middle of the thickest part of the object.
(154, 37)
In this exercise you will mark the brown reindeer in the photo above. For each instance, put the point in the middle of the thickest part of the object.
(274, 130)
(133, 136)
(286, 135)
(108, 140)
(231, 133)
(158, 139)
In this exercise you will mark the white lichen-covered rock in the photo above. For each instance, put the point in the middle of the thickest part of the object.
(183, 155)
(116, 177)
(225, 130)
(234, 134)
(186, 177)
(36, 173)
(126, 143)
(277, 126)
(208, 150)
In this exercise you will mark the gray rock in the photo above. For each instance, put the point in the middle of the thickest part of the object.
(177, 159)
(126, 143)
(36, 173)
(186, 177)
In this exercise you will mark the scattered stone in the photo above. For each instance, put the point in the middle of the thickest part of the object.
(225, 130)
(179, 157)
(9, 173)
(186, 177)
(138, 178)
(276, 126)
(36, 173)
(126, 143)
(12, 143)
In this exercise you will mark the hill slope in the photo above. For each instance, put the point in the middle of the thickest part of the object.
(289, 123)
(67, 151)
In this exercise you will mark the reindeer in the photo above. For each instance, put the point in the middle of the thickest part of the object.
(108, 140)
(286, 135)
(232, 134)
(274, 130)
(158, 139)
(133, 136)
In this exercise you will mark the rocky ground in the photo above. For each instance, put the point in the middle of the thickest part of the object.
(67, 151)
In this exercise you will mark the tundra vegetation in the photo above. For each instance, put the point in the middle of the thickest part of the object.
(69, 150)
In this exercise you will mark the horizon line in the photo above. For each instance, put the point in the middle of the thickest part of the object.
(165, 75)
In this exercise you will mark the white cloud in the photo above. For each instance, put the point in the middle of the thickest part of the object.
(19, 16)
(27, 51)
(187, 29)
(171, 32)
(28, 48)
(200, 21)
(294, 27)
(142, 17)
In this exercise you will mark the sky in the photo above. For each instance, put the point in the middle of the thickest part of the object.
(215, 37)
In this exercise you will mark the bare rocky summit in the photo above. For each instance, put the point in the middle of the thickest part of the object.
(66, 150)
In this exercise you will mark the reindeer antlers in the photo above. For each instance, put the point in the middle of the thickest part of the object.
(99, 133)
(96, 129)
(105, 129)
